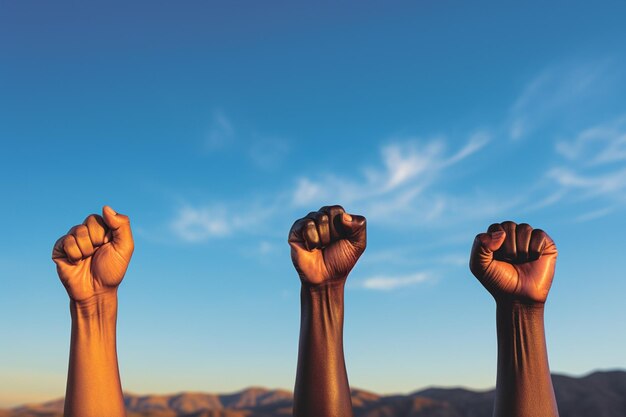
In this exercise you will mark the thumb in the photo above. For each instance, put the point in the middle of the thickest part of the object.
(121, 235)
(484, 246)
(354, 228)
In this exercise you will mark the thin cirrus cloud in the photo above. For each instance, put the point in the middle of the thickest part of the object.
(408, 181)
(592, 168)
(197, 224)
(193, 224)
(388, 283)
(407, 170)
(555, 89)
(265, 152)
(604, 143)
(612, 184)
(589, 165)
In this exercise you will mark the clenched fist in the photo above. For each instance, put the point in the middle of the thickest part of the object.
(92, 257)
(326, 244)
(514, 262)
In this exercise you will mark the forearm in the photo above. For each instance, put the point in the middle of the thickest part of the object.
(93, 383)
(524, 386)
(322, 388)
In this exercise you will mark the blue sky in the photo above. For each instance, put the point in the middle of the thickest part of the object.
(214, 126)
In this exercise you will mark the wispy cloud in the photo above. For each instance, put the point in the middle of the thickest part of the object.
(586, 166)
(413, 183)
(601, 144)
(387, 283)
(264, 151)
(609, 184)
(408, 185)
(194, 224)
(404, 162)
(592, 167)
(554, 90)
(198, 224)
(595, 214)
(221, 132)
(398, 185)
(476, 142)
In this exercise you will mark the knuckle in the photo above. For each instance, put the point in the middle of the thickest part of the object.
(332, 210)
(68, 240)
(319, 217)
(81, 231)
(95, 220)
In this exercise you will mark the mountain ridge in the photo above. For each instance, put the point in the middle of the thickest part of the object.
(598, 394)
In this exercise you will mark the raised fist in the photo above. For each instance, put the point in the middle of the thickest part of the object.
(326, 244)
(514, 262)
(92, 257)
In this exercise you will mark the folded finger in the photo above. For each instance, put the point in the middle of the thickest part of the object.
(539, 241)
(311, 237)
(323, 227)
(296, 234)
(335, 225)
(81, 235)
(523, 233)
(70, 247)
(508, 250)
(96, 229)
(57, 249)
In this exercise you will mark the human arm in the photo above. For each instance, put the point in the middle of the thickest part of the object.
(516, 265)
(91, 260)
(325, 246)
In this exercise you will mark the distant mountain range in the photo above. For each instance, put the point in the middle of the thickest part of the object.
(600, 394)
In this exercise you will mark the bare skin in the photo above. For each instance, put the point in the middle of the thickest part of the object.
(516, 265)
(325, 246)
(91, 260)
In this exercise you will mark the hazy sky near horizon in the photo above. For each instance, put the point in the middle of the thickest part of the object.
(215, 125)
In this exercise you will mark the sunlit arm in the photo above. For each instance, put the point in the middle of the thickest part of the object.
(322, 387)
(325, 246)
(524, 386)
(91, 260)
(516, 264)
(93, 382)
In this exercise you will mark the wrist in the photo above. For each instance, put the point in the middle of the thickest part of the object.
(515, 322)
(102, 306)
(323, 303)
(516, 307)
(331, 285)
(329, 293)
